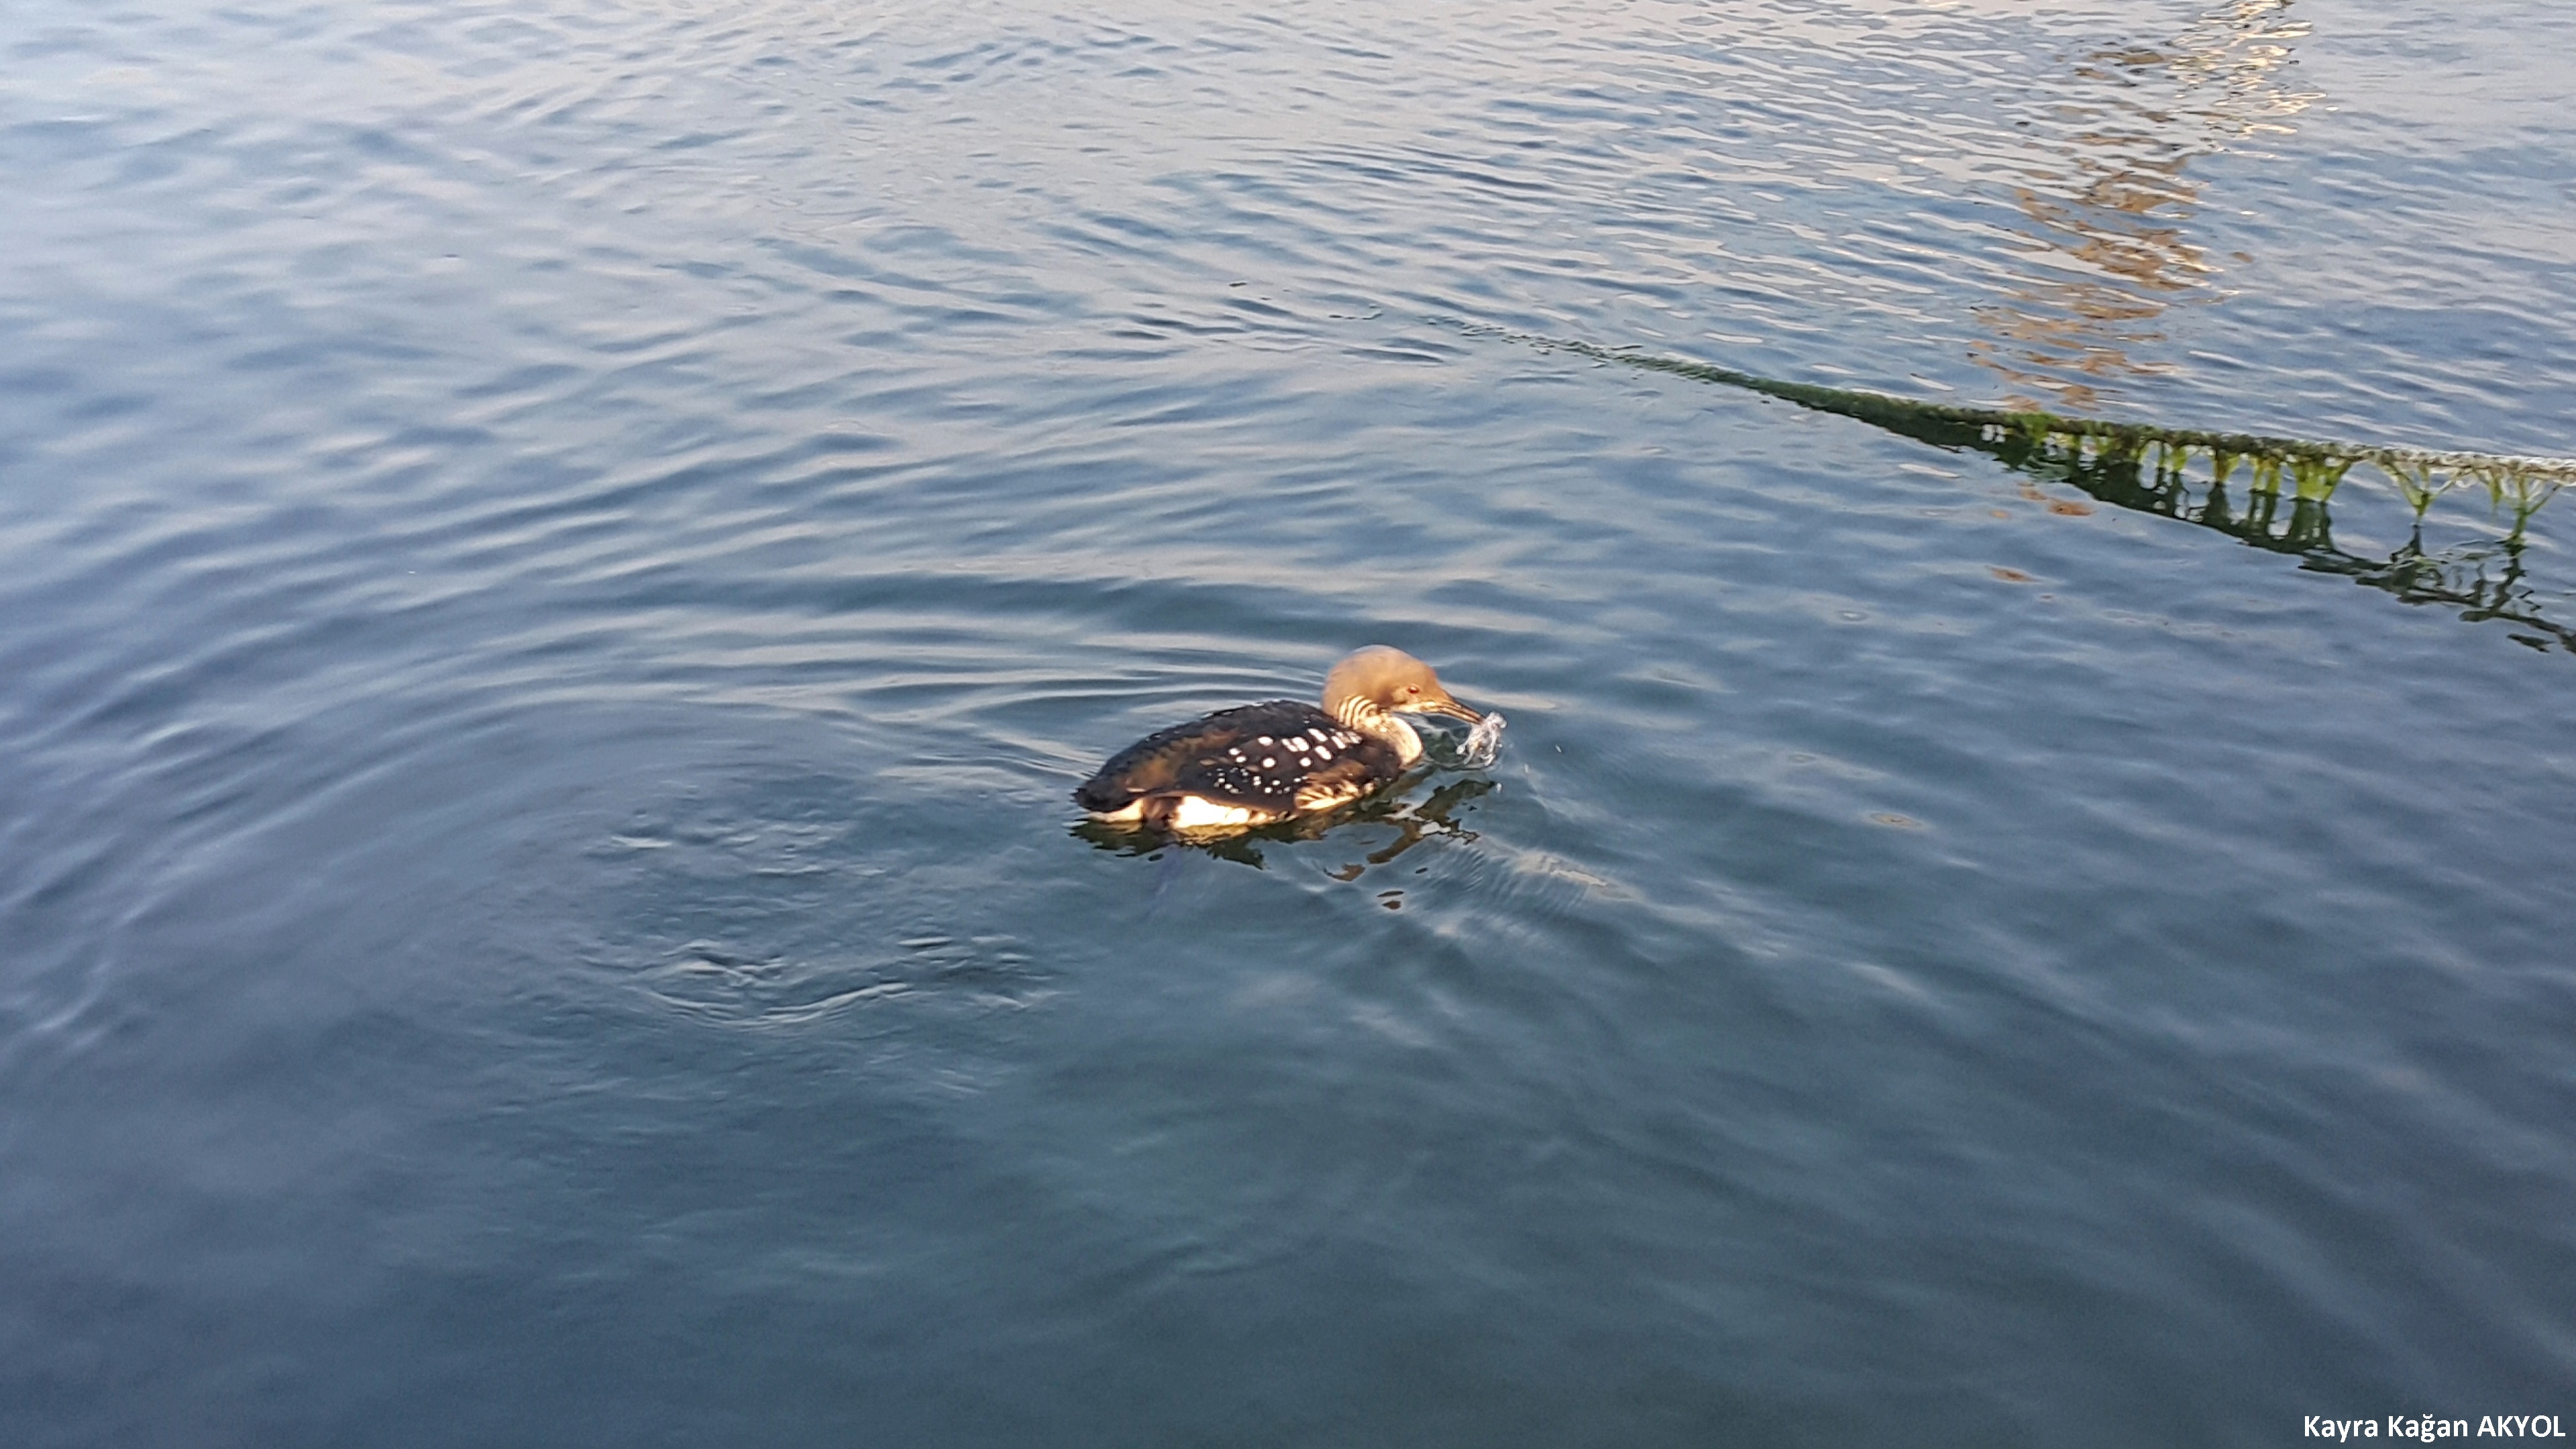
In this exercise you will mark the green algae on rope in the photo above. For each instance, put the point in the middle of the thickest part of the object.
(2313, 467)
(2150, 469)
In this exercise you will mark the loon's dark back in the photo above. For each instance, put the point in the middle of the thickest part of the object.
(1272, 758)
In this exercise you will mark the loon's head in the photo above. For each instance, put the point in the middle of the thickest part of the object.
(1381, 680)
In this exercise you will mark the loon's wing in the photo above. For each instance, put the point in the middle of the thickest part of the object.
(1260, 757)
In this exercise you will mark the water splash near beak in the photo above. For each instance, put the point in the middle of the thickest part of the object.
(1483, 743)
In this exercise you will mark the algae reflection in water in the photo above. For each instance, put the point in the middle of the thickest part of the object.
(2188, 474)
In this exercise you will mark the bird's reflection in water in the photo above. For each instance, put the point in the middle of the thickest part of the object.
(1435, 817)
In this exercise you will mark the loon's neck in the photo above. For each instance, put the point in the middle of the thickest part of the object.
(1364, 716)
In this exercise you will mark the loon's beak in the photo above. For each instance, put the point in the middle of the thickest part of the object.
(1443, 704)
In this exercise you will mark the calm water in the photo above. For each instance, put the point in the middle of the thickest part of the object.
(558, 562)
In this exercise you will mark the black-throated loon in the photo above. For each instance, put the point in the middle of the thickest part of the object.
(1262, 763)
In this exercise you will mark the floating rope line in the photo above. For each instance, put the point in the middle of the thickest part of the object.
(2143, 467)
(2312, 467)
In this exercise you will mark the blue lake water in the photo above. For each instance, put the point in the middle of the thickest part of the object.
(559, 562)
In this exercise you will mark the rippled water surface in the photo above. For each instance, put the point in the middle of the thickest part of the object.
(559, 561)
